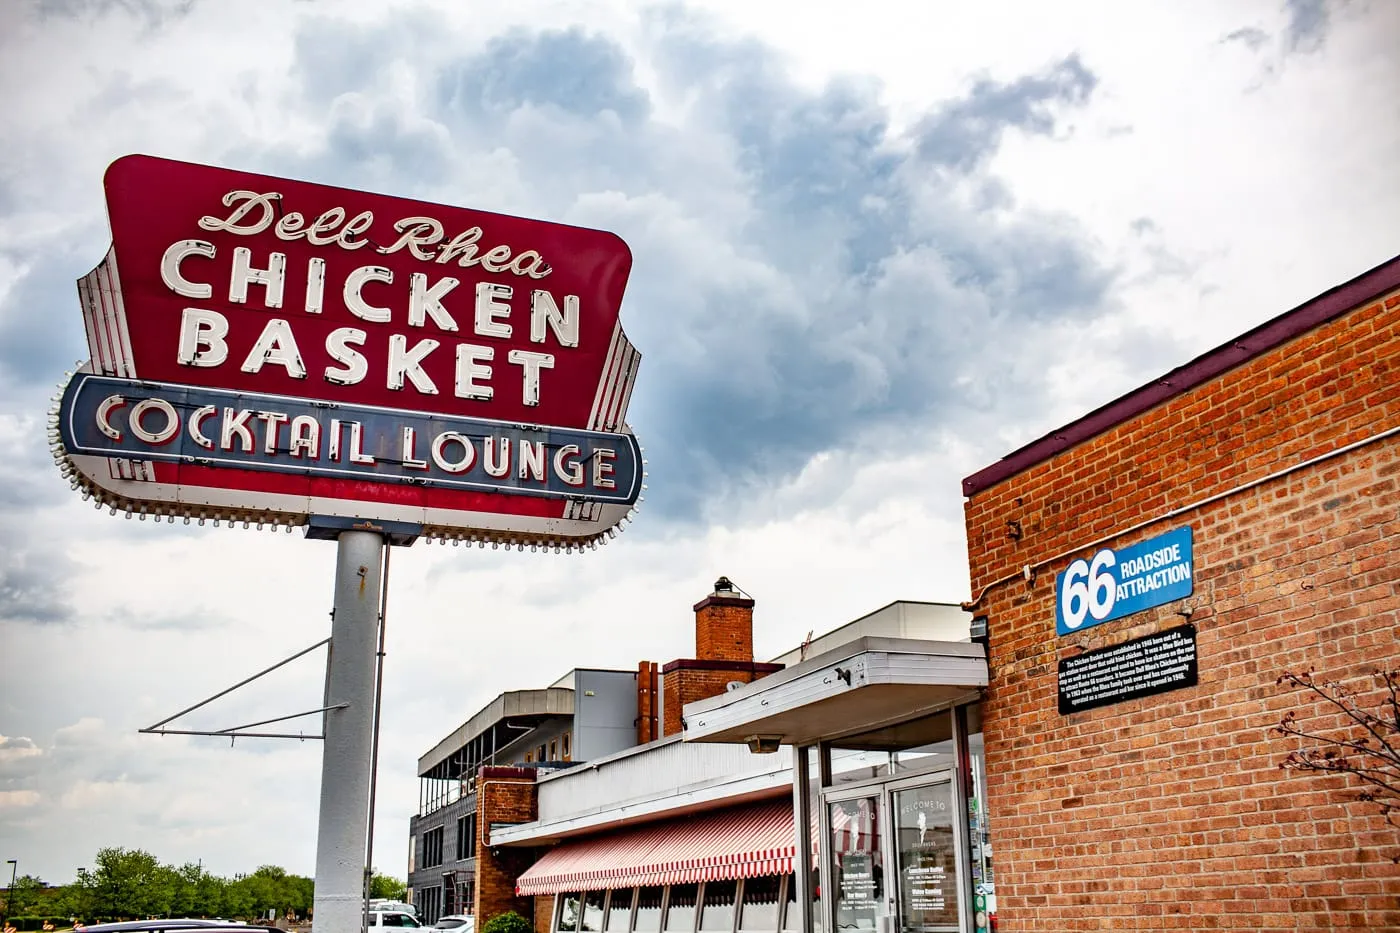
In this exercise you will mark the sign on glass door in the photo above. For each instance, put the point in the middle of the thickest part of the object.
(926, 850)
(856, 863)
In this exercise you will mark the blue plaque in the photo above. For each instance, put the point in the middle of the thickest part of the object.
(1115, 583)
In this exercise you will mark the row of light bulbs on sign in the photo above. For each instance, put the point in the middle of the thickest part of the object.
(78, 483)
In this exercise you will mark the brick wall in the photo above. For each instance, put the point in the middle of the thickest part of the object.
(1171, 812)
(724, 628)
(544, 913)
(686, 681)
(504, 795)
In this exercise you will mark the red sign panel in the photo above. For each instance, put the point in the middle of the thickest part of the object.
(465, 371)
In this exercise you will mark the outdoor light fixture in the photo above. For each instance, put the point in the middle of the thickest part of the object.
(763, 744)
(978, 630)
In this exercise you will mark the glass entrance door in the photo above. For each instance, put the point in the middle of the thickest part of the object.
(896, 858)
(857, 863)
(925, 844)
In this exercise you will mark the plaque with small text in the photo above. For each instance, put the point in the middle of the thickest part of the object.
(1141, 667)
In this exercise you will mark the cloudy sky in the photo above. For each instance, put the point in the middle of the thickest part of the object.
(877, 246)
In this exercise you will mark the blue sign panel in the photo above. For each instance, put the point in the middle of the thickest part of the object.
(1116, 583)
(166, 423)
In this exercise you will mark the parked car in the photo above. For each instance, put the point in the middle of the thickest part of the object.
(459, 923)
(379, 919)
(173, 926)
(380, 903)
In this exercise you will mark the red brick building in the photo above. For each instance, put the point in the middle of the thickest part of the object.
(1280, 451)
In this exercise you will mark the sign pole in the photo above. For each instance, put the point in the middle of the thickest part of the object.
(347, 757)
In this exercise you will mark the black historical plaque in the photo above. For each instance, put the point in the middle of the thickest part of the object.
(1142, 667)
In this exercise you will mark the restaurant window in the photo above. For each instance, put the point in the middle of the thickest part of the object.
(935, 749)
(717, 906)
(566, 916)
(680, 908)
(429, 904)
(540, 754)
(466, 836)
(529, 758)
(467, 897)
(854, 765)
(759, 911)
(553, 749)
(619, 911)
(432, 848)
(564, 744)
(790, 918)
(593, 911)
(648, 910)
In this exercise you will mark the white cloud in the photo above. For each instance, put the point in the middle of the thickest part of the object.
(15, 749)
(18, 798)
(100, 795)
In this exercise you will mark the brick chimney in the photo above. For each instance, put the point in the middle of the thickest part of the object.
(724, 625)
(648, 702)
(724, 654)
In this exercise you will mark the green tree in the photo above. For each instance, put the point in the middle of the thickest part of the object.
(24, 896)
(303, 894)
(265, 886)
(269, 888)
(71, 901)
(126, 883)
(209, 896)
(190, 891)
(131, 883)
(237, 900)
(386, 887)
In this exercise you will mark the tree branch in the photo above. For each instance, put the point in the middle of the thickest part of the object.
(1366, 746)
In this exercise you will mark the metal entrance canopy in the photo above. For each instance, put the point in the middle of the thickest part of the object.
(866, 693)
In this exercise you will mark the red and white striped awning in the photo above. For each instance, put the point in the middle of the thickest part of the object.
(741, 842)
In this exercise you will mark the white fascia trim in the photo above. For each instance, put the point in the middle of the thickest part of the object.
(524, 833)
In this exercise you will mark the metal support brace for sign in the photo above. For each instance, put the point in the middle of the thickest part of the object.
(238, 732)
